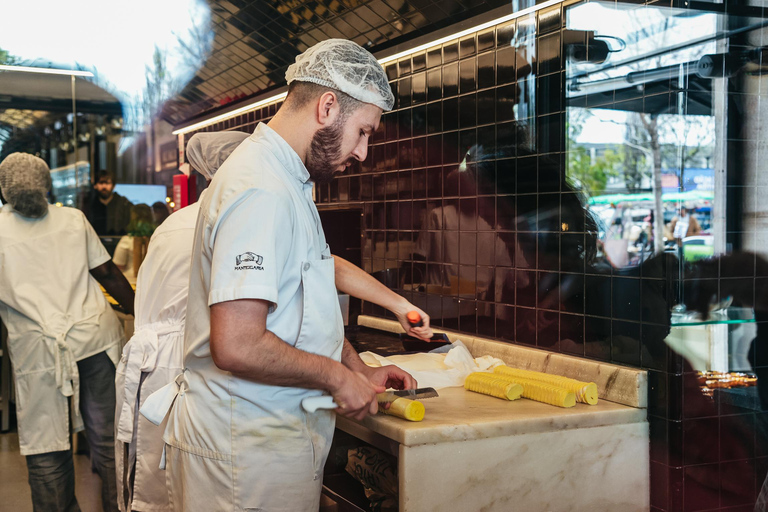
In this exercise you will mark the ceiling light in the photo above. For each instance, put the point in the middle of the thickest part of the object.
(46, 71)
(382, 61)
(233, 113)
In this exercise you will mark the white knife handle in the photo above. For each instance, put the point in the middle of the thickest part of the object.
(313, 403)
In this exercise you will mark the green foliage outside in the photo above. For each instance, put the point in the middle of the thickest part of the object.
(592, 177)
(6, 58)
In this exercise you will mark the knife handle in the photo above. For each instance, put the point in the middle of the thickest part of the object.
(414, 319)
(313, 403)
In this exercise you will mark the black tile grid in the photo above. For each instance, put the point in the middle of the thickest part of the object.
(703, 452)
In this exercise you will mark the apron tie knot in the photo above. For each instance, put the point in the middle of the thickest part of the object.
(66, 372)
(140, 355)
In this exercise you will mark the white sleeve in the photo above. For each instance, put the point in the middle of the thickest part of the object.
(97, 254)
(121, 251)
(251, 242)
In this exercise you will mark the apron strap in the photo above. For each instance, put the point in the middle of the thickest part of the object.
(158, 404)
(140, 355)
(65, 367)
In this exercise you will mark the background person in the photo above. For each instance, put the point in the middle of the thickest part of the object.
(683, 226)
(108, 212)
(154, 355)
(142, 224)
(63, 337)
(160, 210)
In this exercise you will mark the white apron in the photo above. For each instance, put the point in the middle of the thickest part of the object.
(277, 462)
(56, 315)
(151, 359)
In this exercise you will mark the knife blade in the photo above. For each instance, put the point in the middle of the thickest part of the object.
(411, 394)
(313, 403)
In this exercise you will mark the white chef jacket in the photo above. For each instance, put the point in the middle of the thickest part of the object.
(56, 315)
(152, 358)
(123, 257)
(235, 444)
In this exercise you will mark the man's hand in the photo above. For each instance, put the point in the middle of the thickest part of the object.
(424, 332)
(391, 376)
(356, 397)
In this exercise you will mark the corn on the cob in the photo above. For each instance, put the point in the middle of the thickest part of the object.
(490, 384)
(541, 391)
(586, 392)
(411, 410)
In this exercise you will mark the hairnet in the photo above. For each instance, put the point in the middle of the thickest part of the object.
(347, 67)
(207, 151)
(24, 181)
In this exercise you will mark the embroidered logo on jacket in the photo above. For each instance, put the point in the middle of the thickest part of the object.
(248, 257)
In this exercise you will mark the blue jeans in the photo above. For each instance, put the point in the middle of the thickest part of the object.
(52, 475)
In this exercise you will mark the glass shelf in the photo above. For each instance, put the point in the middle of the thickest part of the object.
(727, 316)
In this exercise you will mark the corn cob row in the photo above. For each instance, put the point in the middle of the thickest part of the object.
(490, 384)
(533, 390)
(586, 392)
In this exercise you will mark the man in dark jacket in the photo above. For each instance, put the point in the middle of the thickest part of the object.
(108, 212)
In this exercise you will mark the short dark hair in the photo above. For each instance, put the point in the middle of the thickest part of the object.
(104, 175)
(302, 93)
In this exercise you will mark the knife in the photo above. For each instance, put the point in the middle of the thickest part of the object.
(313, 403)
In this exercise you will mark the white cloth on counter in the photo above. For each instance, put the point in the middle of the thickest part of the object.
(437, 370)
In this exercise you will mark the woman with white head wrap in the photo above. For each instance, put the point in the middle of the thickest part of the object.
(61, 332)
(154, 355)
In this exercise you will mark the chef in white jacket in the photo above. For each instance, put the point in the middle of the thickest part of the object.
(264, 329)
(63, 337)
(154, 355)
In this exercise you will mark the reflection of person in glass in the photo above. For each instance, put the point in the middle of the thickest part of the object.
(108, 212)
(439, 240)
(683, 226)
(711, 294)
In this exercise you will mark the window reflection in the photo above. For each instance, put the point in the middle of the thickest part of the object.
(641, 129)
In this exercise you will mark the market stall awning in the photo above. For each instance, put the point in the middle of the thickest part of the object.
(691, 195)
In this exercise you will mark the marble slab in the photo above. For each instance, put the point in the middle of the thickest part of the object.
(582, 470)
(461, 415)
(615, 383)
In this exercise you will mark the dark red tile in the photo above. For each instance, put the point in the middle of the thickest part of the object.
(659, 485)
(701, 441)
(701, 487)
(737, 483)
(737, 437)
(695, 403)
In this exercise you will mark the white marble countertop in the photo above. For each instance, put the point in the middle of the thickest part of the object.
(461, 415)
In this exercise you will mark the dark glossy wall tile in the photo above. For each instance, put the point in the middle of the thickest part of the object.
(465, 190)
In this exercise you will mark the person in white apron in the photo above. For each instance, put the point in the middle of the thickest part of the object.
(154, 355)
(264, 328)
(63, 337)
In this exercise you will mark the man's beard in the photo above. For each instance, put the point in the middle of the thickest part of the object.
(325, 152)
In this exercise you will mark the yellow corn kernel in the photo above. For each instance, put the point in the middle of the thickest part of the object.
(490, 384)
(586, 392)
(411, 410)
